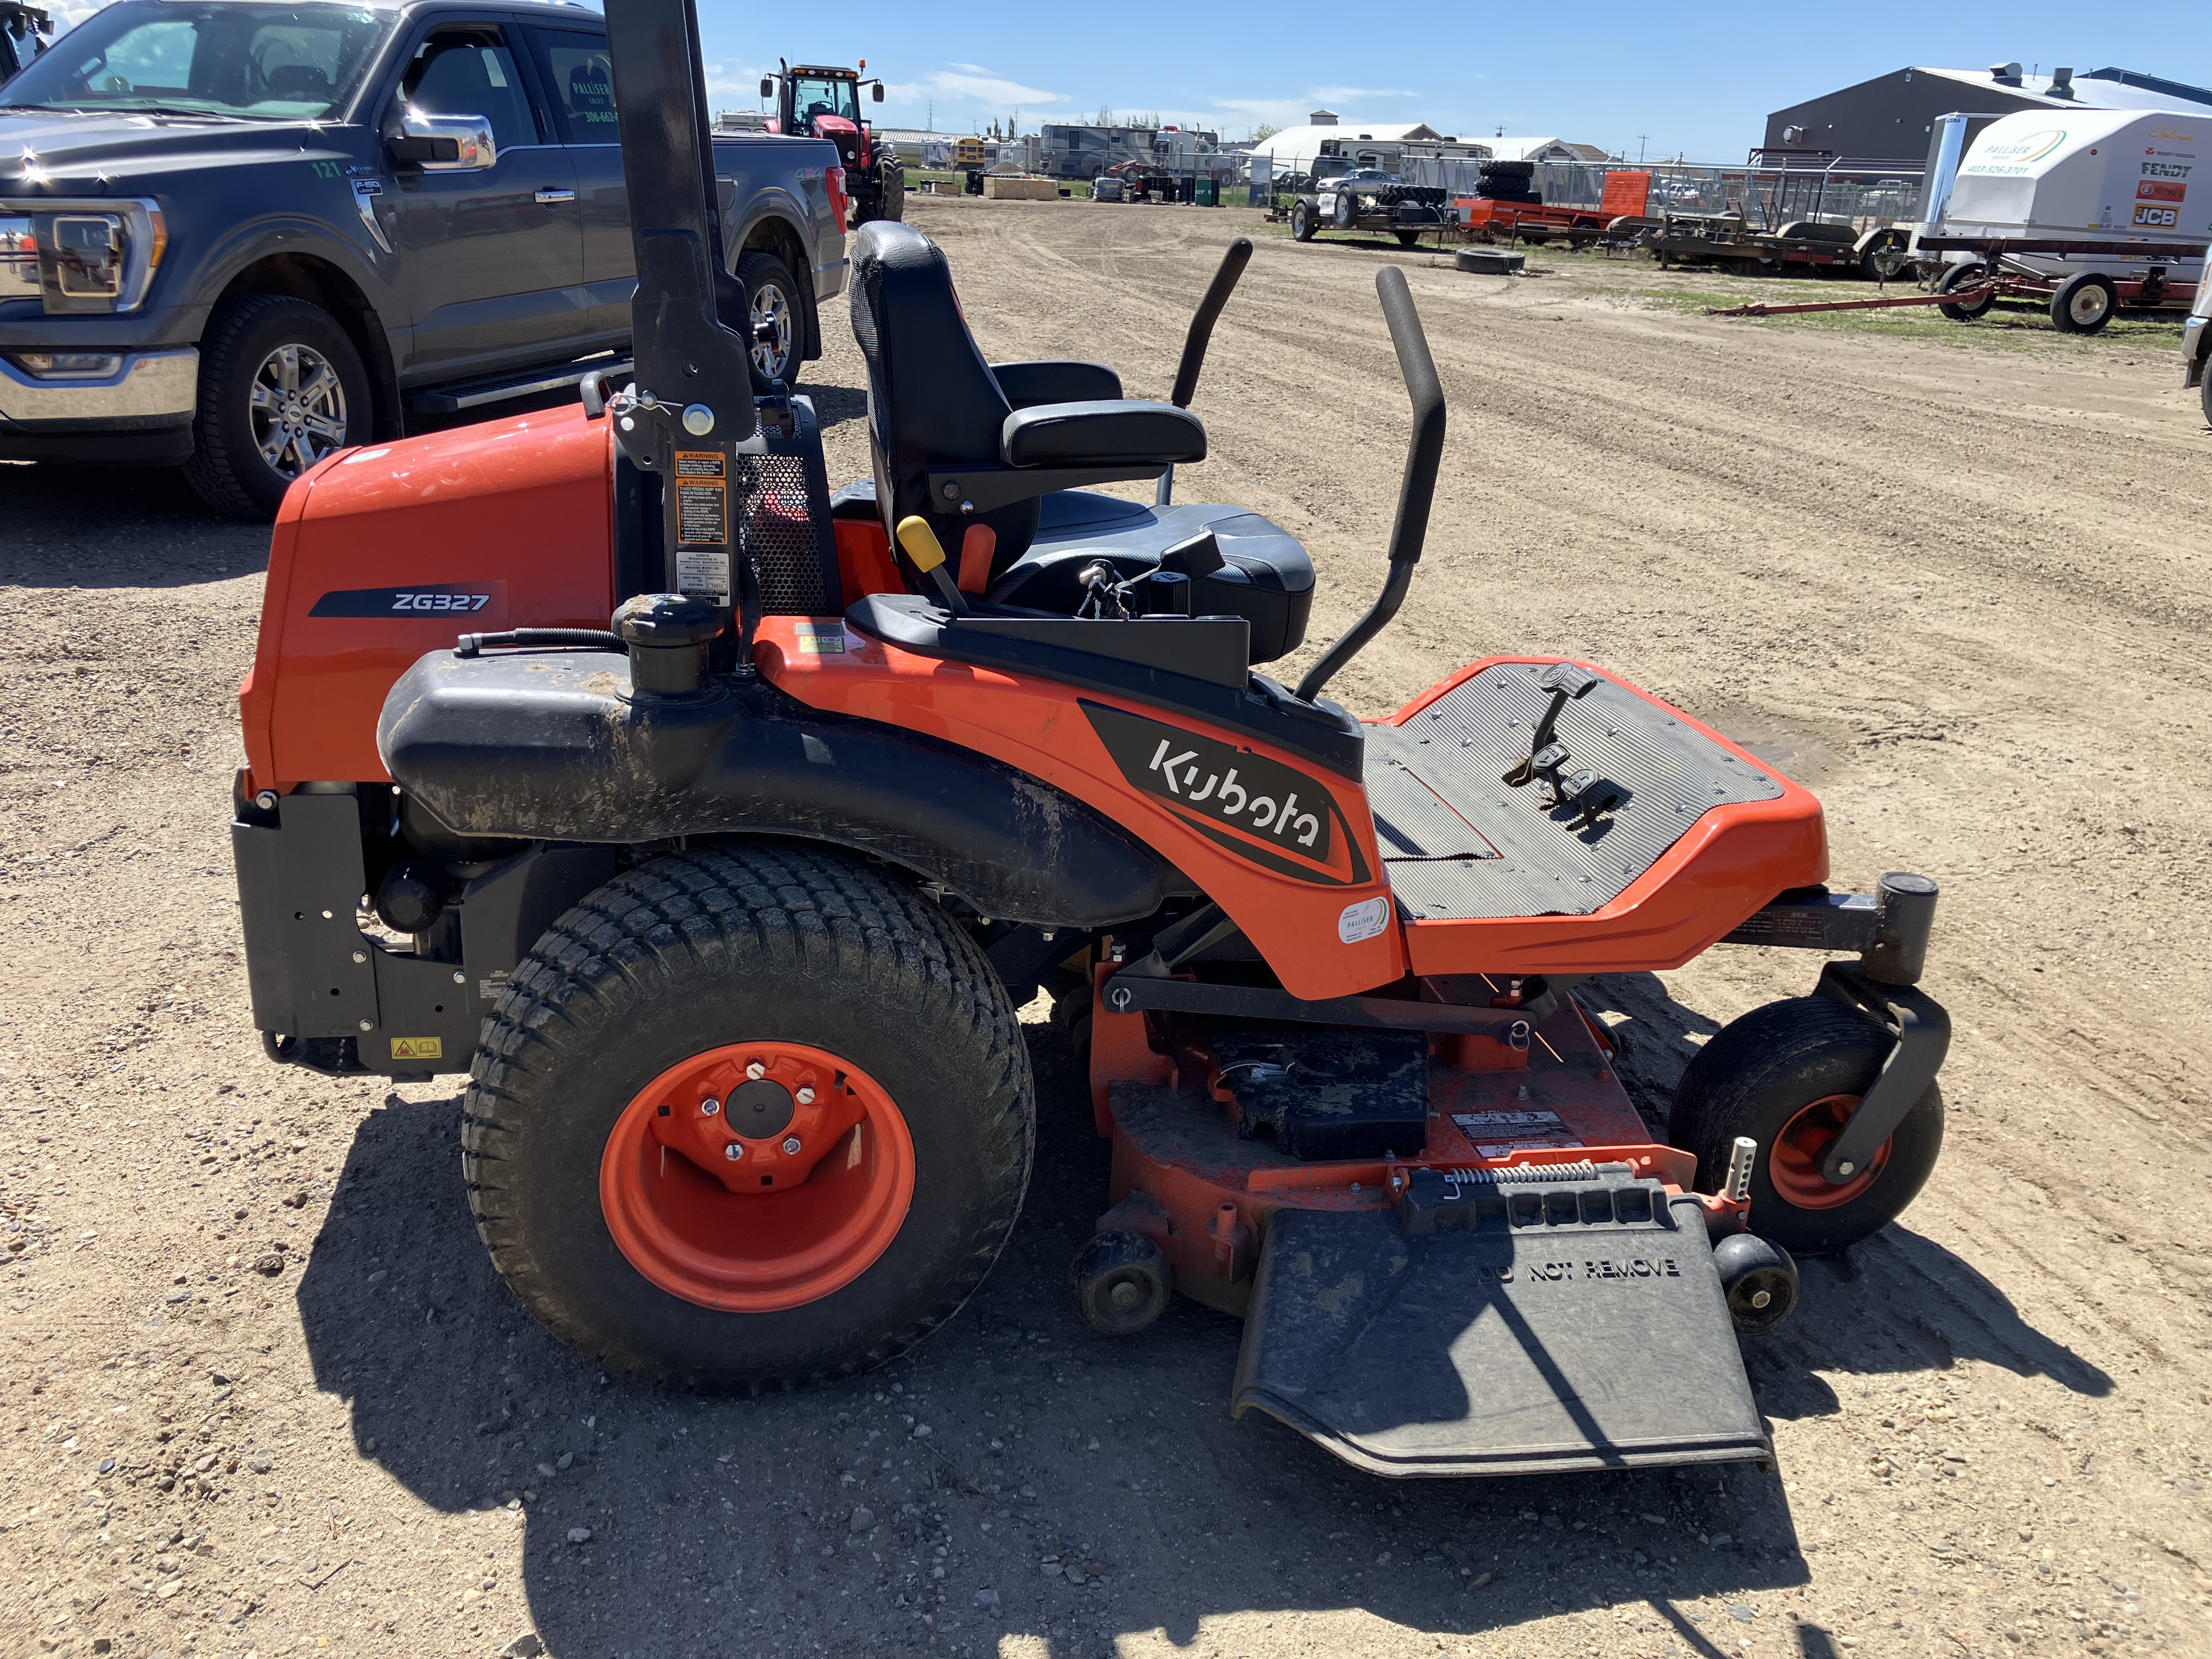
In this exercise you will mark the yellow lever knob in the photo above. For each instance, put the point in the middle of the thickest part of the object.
(921, 543)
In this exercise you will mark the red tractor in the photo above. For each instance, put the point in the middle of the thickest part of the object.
(815, 102)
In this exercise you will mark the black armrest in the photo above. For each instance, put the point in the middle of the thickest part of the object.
(1102, 434)
(1050, 382)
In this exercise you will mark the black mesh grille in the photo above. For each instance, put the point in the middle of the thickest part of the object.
(783, 524)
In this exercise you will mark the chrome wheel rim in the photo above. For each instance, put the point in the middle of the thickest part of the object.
(772, 305)
(298, 409)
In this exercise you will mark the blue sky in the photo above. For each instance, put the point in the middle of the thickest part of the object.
(1699, 78)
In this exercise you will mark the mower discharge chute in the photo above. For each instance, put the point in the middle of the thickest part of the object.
(723, 844)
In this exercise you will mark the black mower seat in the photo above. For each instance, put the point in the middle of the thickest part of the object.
(960, 441)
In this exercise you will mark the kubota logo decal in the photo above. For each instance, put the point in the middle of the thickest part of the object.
(1273, 815)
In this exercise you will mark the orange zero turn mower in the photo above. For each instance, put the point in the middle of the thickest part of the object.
(717, 824)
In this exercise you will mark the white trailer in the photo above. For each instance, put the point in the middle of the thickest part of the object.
(2087, 210)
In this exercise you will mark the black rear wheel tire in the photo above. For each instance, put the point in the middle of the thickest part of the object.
(1304, 220)
(2084, 304)
(1757, 1074)
(771, 293)
(749, 944)
(242, 409)
(1958, 276)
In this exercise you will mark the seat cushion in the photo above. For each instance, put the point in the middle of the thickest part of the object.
(1101, 434)
(1267, 577)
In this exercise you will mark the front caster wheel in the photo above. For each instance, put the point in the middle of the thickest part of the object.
(1121, 1283)
(1760, 1280)
(749, 1118)
(1789, 1075)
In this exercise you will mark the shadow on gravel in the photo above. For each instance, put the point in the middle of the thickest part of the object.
(1047, 1449)
(1896, 1302)
(74, 526)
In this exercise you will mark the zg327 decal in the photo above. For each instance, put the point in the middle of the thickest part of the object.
(1273, 815)
(481, 600)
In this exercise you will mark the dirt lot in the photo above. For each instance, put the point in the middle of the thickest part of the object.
(263, 1395)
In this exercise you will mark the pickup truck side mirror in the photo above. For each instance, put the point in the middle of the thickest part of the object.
(768, 86)
(444, 143)
(875, 92)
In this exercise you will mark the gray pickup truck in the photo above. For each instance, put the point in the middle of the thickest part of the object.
(238, 234)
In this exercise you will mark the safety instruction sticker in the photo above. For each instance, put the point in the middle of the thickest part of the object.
(702, 499)
(1514, 1132)
(821, 639)
(418, 1049)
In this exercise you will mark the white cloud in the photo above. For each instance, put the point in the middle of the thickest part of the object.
(972, 84)
(1353, 95)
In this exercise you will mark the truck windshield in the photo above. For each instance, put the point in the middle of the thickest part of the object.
(819, 94)
(249, 60)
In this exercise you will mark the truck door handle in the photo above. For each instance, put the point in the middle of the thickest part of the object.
(547, 197)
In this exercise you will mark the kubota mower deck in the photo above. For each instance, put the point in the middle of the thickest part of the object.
(723, 842)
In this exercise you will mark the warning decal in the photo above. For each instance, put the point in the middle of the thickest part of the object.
(699, 464)
(418, 1049)
(702, 514)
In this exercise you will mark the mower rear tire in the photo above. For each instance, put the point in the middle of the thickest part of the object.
(1789, 1075)
(1122, 1282)
(782, 951)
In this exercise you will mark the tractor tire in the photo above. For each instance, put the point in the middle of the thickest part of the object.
(892, 198)
(650, 1258)
(1521, 171)
(2084, 304)
(1952, 281)
(1788, 1075)
(1305, 219)
(281, 386)
(771, 292)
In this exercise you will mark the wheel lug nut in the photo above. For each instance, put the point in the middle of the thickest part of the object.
(807, 1096)
(733, 1151)
(791, 1143)
(756, 1071)
(710, 1106)
(1846, 1168)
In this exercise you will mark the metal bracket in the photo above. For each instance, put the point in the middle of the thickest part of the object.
(1128, 992)
(1923, 1034)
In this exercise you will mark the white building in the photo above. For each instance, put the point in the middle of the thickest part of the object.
(1364, 143)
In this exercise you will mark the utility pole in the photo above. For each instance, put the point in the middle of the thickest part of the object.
(1640, 138)
(930, 124)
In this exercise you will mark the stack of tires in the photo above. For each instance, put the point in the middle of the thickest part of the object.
(1507, 181)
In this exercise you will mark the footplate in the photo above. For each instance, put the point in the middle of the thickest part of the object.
(1521, 1322)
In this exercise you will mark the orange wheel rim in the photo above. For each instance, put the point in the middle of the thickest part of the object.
(1793, 1163)
(756, 1176)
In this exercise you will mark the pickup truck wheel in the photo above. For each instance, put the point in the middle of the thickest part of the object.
(280, 387)
(771, 295)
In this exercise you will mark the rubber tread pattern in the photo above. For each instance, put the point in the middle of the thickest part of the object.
(813, 917)
(212, 472)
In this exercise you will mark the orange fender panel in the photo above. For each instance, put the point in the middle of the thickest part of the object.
(380, 555)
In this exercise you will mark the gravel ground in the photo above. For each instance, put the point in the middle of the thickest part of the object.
(262, 1394)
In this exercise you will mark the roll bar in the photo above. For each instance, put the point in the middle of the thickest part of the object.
(1197, 337)
(1416, 492)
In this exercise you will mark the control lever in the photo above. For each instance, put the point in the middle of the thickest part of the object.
(1565, 681)
(1196, 341)
(921, 546)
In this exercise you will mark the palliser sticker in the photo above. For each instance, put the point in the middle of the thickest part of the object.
(1258, 808)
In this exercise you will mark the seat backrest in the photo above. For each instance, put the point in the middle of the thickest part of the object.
(932, 400)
